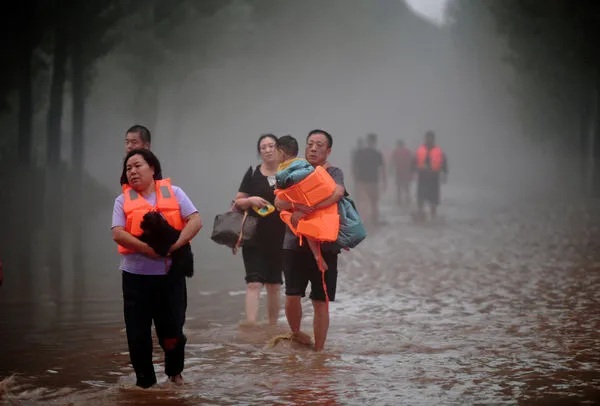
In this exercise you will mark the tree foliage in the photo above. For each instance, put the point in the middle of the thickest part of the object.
(552, 47)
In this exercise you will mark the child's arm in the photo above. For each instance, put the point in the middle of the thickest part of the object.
(282, 205)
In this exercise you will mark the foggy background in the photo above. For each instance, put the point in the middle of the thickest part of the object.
(208, 78)
(497, 301)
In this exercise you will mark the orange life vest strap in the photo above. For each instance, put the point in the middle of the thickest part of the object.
(239, 241)
(320, 261)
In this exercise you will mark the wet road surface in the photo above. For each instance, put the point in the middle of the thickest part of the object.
(496, 302)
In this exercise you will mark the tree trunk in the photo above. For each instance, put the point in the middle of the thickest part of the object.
(25, 161)
(591, 136)
(55, 189)
(77, 157)
(581, 141)
(25, 103)
(594, 144)
(55, 109)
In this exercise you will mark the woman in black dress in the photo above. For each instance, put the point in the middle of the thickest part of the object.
(262, 257)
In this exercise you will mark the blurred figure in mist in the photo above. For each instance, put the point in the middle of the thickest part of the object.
(360, 144)
(400, 163)
(431, 167)
(370, 180)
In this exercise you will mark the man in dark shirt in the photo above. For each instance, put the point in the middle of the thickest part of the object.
(299, 264)
(370, 173)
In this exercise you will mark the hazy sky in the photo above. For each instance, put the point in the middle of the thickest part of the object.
(432, 9)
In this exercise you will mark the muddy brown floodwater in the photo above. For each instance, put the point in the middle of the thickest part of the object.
(497, 302)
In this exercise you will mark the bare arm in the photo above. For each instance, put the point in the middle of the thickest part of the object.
(244, 201)
(129, 241)
(191, 228)
(444, 169)
(335, 197)
(445, 164)
(282, 204)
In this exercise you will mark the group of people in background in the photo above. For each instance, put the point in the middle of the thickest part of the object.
(427, 165)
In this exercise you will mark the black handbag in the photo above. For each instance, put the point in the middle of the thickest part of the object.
(233, 229)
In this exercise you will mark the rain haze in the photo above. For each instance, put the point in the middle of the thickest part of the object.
(494, 300)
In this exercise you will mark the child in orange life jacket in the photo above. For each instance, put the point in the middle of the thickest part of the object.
(287, 149)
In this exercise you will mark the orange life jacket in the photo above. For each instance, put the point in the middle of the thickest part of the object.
(436, 157)
(135, 207)
(321, 225)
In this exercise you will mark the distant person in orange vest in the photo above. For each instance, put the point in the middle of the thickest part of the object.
(430, 161)
(401, 161)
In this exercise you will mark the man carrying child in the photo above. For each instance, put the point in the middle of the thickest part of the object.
(299, 262)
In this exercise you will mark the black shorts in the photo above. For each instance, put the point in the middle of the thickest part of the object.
(263, 265)
(428, 188)
(300, 267)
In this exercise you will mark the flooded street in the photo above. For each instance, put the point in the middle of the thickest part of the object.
(497, 302)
